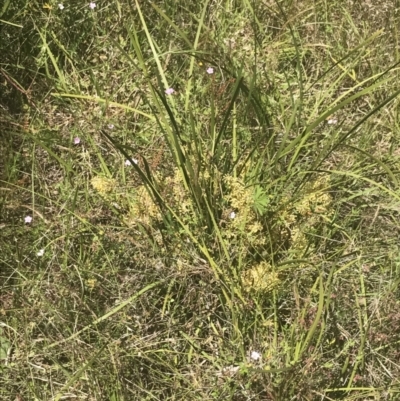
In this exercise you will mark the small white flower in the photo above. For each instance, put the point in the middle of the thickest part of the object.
(128, 162)
(210, 70)
(77, 140)
(92, 5)
(28, 219)
(40, 253)
(332, 121)
(110, 126)
(255, 356)
(170, 91)
(232, 215)
(60, 6)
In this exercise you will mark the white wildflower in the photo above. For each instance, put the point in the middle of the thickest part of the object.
(255, 356)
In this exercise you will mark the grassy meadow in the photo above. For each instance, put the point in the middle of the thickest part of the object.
(199, 200)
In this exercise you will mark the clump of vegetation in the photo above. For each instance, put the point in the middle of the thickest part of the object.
(199, 202)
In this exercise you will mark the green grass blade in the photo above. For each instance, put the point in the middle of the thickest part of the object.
(107, 315)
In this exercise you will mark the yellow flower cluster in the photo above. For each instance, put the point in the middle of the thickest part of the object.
(316, 199)
(143, 208)
(103, 185)
(260, 278)
(244, 222)
(298, 218)
(178, 195)
(304, 214)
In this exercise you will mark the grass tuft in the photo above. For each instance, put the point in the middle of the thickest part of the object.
(199, 201)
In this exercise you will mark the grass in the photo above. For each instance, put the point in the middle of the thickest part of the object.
(234, 240)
